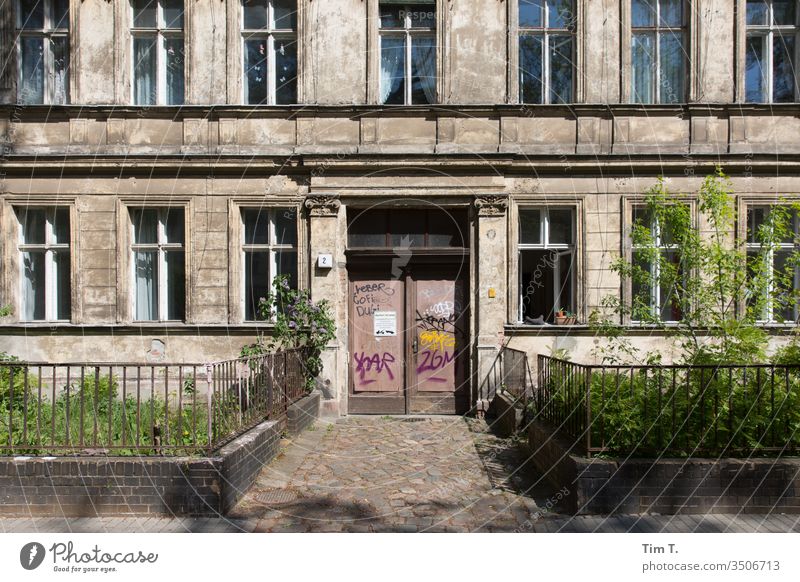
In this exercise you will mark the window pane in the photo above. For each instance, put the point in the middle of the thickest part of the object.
(256, 282)
(33, 226)
(256, 226)
(423, 16)
(31, 13)
(671, 13)
(61, 284)
(393, 65)
(643, 63)
(641, 286)
(756, 12)
(145, 225)
(176, 285)
(173, 13)
(286, 226)
(530, 227)
(144, 13)
(407, 228)
(255, 66)
(32, 73)
(392, 16)
(559, 13)
(60, 49)
(672, 75)
(784, 298)
(560, 69)
(287, 265)
(175, 225)
(423, 70)
(643, 12)
(670, 309)
(783, 12)
(61, 226)
(60, 16)
(33, 286)
(643, 215)
(255, 14)
(530, 68)
(447, 228)
(144, 70)
(564, 299)
(285, 71)
(530, 13)
(285, 14)
(367, 228)
(560, 227)
(175, 74)
(537, 276)
(755, 219)
(783, 69)
(754, 80)
(146, 285)
(756, 294)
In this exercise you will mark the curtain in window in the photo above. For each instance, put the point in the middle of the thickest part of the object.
(144, 71)
(643, 64)
(60, 48)
(423, 70)
(146, 285)
(33, 290)
(32, 74)
(393, 64)
(672, 59)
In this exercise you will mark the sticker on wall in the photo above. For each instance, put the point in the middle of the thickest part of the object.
(385, 323)
(157, 351)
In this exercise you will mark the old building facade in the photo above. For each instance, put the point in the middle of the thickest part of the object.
(464, 168)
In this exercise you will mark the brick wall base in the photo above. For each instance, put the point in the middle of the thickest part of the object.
(303, 413)
(90, 486)
(665, 486)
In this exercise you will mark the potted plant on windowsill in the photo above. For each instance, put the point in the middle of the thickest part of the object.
(565, 317)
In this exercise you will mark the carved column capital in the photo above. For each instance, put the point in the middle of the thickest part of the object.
(323, 204)
(491, 204)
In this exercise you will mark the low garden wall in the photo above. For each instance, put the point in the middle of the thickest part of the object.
(665, 486)
(505, 414)
(303, 413)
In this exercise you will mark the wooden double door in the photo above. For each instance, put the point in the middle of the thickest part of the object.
(409, 339)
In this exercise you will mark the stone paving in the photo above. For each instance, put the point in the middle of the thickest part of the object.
(403, 474)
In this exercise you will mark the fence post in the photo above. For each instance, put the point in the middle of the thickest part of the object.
(285, 380)
(588, 389)
(209, 374)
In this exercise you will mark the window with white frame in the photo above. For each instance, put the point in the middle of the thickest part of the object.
(657, 269)
(772, 261)
(44, 258)
(547, 263)
(771, 51)
(158, 52)
(43, 51)
(158, 263)
(269, 37)
(407, 52)
(658, 51)
(269, 249)
(546, 51)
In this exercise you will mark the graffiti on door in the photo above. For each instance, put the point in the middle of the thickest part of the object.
(371, 297)
(376, 363)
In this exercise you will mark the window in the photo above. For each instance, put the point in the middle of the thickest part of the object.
(409, 228)
(658, 51)
(269, 34)
(159, 266)
(546, 263)
(158, 55)
(657, 270)
(772, 235)
(43, 41)
(771, 51)
(408, 52)
(269, 249)
(546, 51)
(44, 263)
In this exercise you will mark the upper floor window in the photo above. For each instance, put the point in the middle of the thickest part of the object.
(658, 51)
(158, 53)
(159, 264)
(44, 253)
(771, 51)
(546, 51)
(773, 233)
(547, 263)
(43, 42)
(269, 34)
(269, 249)
(408, 52)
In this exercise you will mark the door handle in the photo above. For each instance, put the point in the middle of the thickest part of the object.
(415, 345)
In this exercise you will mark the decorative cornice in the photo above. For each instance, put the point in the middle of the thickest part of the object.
(323, 204)
(491, 204)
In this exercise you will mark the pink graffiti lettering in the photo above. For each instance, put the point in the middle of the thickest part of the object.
(374, 363)
(433, 360)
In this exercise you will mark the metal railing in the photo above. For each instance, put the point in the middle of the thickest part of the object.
(676, 410)
(141, 409)
(510, 372)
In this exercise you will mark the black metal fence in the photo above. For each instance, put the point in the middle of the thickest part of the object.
(675, 410)
(142, 409)
(509, 372)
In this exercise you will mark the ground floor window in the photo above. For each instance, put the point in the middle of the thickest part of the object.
(547, 263)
